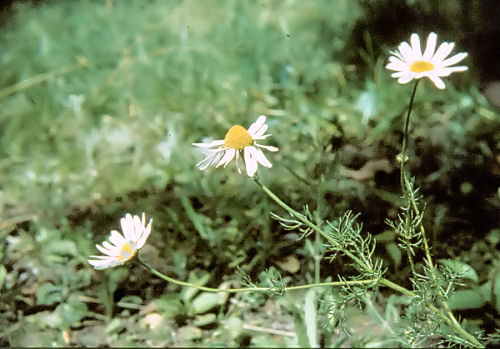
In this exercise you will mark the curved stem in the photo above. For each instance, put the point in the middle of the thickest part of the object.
(249, 289)
(406, 187)
(311, 225)
(405, 134)
(450, 319)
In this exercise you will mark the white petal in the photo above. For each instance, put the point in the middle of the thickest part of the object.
(394, 59)
(145, 235)
(237, 162)
(110, 247)
(405, 79)
(443, 51)
(437, 81)
(228, 156)
(106, 251)
(257, 124)
(209, 144)
(415, 45)
(250, 162)
(397, 66)
(258, 138)
(448, 70)
(117, 239)
(397, 55)
(454, 59)
(107, 258)
(210, 160)
(398, 74)
(104, 264)
(260, 132)
(128, 227)
(431, 46)
(259, 155)
(138, 228)
(407, 52)
(267, 147)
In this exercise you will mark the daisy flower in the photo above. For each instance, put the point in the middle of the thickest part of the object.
(409, 62)
(123, 247)
(238, 142)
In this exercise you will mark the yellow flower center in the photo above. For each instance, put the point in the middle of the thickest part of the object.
(237, 138)
(421, 66)
(127, 251)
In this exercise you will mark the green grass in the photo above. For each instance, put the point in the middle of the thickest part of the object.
(100, 104)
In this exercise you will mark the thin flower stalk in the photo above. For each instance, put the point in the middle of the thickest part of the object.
(412, 64)
(250, 289)
(450, 320)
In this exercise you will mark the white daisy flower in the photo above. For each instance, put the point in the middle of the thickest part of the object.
(409, 62)
(123, 247)
(238, 142)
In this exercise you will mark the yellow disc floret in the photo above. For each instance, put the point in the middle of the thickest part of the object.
(421, 66)
(127, 251)
(237, 138)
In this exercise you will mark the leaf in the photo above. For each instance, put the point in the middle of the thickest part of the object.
(395, 253)
(131, 299)
(170, 305)
(114, 325)
(310, 317)
(470, 299)
(71, 312)
(188, 333)
(463, 269)
(206, 301)
(205, 319)
(49, 294)
(197, 219)
(115, 276)
(234, 327)
(496, 290)
(3, 273)
(188, 293)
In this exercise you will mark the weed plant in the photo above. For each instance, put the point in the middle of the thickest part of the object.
(350, 239)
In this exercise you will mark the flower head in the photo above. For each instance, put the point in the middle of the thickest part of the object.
(409, 62)
(123, 247)
(238, 142)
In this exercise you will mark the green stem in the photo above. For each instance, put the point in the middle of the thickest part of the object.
(311, 225)
(449, 319)
(249, 289)
(405, 134)
(406, 187)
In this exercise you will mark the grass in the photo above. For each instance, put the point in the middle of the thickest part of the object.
(100, 104)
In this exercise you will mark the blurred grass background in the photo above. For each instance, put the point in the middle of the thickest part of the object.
(101, 101)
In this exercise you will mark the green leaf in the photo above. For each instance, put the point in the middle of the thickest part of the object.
(205, 301)
(49, 294)
(234, 327)
(205, 319)
(115, 276)
(310, 317)
(115, 325)
(105, 297)
(188, 293)
(470, 299)
(71, 312)
(170, 305)
(300, 330)
(3, 273)
(463, 269)
(395, 253)
(188, 333)
(496, 290)
(131, 299)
